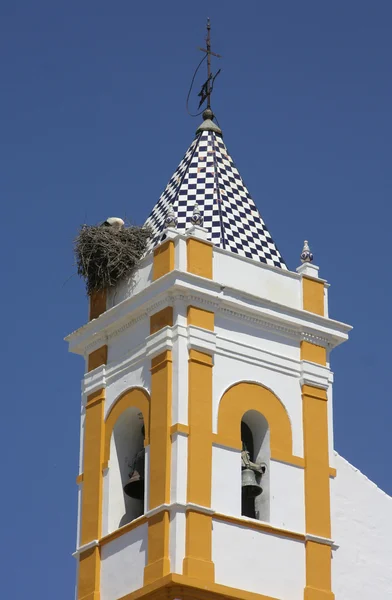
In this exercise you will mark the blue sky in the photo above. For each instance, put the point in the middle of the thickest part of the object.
(93, 124)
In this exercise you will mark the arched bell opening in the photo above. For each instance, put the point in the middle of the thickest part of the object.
(255, 462)
(126, 469)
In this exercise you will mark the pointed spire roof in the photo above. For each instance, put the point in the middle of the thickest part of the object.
(208, 176)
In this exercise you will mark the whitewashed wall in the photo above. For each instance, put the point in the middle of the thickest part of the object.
(122, 564)
(257, 562)
(362, 528)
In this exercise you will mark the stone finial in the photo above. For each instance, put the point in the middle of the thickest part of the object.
(197, 217)
(306, 255)
(171, 219)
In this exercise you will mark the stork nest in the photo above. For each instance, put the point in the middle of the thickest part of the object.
(105, 255)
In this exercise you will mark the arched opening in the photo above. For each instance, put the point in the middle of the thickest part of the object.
(126, 469)
(255, 439)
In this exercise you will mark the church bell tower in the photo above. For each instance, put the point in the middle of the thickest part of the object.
(207, 456)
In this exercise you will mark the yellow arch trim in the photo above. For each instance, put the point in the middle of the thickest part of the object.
(244, 396)
(134, 397)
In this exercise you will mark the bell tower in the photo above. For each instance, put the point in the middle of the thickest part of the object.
(207, 458)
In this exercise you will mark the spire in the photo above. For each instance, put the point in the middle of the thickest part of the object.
(208, 178)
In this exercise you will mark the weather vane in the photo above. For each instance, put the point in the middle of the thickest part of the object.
(208, 85)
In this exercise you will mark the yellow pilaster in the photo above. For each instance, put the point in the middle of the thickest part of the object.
(197, 561)
(160, 455)
(317, 493)
(97, 304)
(313, 295)
(163, 260)
(199, 258)
(91, 521)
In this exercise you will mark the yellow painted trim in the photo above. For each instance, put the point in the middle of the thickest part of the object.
(198, 543)
(313, 353)
(318, 572)
(253, 524)
(135, 397)
(158, 547)
(89, 574)
(201, 318)
(97, 358)
(317, 492)
(187, 588)
(163, 261)
(91, 512)
(122, 530)
(314, 392)
(199, 258)
(179, 428)
(313, 295)
(161, 319)
(160, 466)
(244, 396)
(97, 304)
(79, 479)
(160, 444)
(198, 547)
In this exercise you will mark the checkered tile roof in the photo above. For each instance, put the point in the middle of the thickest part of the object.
(208, 176)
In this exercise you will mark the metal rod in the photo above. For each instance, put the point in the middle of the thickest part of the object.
(208, 42)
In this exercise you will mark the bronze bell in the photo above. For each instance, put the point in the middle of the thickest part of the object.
(250, 487)
(135, 486)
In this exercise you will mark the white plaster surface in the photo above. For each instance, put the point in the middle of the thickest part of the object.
(122, 564)
(130, 376)
(135, 284)
(258, 562)
(177, 539)
(287, 496)
(256, 278)
(362, 528)
(226, 481)
(179, 468)
(125, 343)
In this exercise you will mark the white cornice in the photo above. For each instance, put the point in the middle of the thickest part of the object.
(289, 322)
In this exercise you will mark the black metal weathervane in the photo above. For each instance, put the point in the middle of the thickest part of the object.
(208, 86)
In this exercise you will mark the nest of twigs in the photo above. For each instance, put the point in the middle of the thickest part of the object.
(105, 255)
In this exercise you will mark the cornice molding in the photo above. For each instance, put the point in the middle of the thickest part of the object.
(177, 285)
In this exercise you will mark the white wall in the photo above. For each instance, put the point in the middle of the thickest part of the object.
(258, 562)
(133, 285)
(362, 528)
(257, 278)
(122, 564)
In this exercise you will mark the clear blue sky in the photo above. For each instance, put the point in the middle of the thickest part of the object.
(93, 123)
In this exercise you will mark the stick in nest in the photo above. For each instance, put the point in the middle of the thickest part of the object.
(105, 255)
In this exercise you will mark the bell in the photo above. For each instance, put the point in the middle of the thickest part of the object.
(250, 487)
(135, 486)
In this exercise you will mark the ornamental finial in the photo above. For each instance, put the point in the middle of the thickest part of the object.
(197, 217)
(171, 219)
(306, 255)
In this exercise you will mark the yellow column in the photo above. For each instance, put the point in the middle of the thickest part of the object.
(163, 260)
(317, 492)
(197, 561)
(160, 455)
(199, 258)
(91, 515)
(313, 295)
(97, 304)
